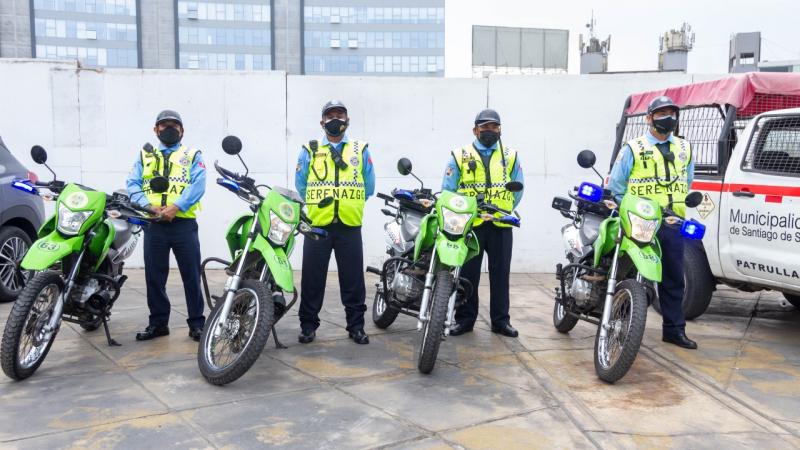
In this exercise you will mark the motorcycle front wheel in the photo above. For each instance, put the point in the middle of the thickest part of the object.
(227, 351)
(433, 330)
(25, 344)
(614, 355)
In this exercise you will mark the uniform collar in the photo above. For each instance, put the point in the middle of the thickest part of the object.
(654, 140)
(170, 149)
(482, 148)
(325, 141)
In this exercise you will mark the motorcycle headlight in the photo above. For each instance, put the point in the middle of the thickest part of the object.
(279, 231)
(454, 223)
(642, 230)
(69, 221)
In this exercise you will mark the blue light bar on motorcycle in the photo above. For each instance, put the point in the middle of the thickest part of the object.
(135, 221)
(228, 184)
(402, 194)
(510, 220)
(590, 192)
(25, 186)
(692, 229)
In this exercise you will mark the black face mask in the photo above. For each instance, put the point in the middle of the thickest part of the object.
(665, 125)
(488, 138)
(169, 136)
(335, 127)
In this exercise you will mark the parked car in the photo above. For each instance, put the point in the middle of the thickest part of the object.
(21, 215)
(745, 138)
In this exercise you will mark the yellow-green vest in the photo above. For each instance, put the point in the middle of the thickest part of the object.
(346, 186)
(473, 182)
(652, 177)
(180, 165)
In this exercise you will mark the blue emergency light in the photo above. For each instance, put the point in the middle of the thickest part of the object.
(228, 184)
(692, 229)
(24, 186)
(590, 192)
(402, 194)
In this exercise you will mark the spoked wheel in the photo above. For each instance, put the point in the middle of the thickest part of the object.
(227, 351)
(614, 355)
(563, 322)
(14, 243)
(433, 330)
(25, 343)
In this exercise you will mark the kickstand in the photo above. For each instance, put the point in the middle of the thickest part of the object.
(277, 342)
(111, 342)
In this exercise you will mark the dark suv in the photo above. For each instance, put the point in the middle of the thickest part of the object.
(21, 215)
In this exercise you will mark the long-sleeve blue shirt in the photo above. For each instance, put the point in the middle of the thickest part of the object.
(618, 180)
(190, 196)
(303, 162)
(452, 174)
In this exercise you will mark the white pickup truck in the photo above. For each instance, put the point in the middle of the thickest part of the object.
(747, 157)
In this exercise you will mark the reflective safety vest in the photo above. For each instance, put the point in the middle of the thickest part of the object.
(492, 183)
(177, 169)
(652, 177)
(345, 184)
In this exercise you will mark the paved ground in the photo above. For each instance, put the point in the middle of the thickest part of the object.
(539, 391)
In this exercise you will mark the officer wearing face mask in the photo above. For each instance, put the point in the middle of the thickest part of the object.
(484, 167)
(659, 166)
(341, 168)
(177, 230)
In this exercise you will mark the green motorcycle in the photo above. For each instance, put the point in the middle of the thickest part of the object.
(260, 274)
(78, 260)
(614, 267)
(429, 238)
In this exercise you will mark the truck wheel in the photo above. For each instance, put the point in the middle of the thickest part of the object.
(793, 299)
(699, 280)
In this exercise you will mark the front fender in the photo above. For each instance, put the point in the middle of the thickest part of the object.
(647, 259)
(277, 262)
(49, 250)
(452, 253)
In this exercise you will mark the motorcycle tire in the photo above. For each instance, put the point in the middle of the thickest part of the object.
(383, 314)
(563, 322)
(254, 344)
(18, 322)
(433, 330)
(609, 370)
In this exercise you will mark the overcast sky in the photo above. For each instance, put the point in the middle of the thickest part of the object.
(634, 26)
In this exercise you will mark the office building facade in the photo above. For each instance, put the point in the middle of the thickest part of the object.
(371, 37)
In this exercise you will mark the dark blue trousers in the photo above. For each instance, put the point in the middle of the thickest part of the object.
(180, 236)
(497, 243)
(670, 290)
(346, 244)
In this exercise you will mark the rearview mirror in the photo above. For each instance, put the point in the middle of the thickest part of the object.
(232, 145)
(514, 186)
(586, 159)
(325, 202)
(159, 184)
(404, 166)
(694, 199)
(38, 154)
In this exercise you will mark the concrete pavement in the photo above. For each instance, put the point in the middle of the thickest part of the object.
(739, 390)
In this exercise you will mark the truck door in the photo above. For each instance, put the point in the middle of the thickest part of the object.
(759, 234)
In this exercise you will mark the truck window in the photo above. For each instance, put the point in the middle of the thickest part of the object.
(775, 147)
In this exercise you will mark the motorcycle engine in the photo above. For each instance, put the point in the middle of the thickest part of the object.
(407, 287)
(580, 290)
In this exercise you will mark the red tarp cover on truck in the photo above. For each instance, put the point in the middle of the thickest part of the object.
(751, 93)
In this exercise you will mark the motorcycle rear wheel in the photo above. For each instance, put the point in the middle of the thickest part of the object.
(614, 355)
(383, 313)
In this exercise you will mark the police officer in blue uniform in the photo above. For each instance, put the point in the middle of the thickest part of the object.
(177, 229)
(341, 168)
(490, 156)
(662, 118)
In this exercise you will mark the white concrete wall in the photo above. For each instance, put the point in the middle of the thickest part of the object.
(93, 124)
